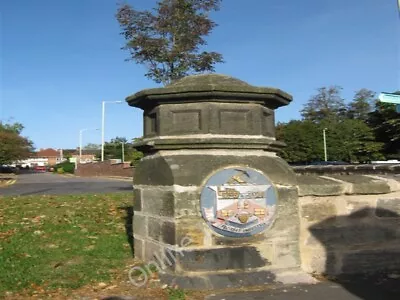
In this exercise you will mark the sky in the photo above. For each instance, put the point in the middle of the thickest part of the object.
(60, 59)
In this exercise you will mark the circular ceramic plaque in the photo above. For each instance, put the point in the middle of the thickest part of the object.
(238, 202)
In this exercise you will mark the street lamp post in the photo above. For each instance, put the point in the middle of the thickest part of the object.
(325, 152)
(123, 152)
(80, 140)
(103, 119)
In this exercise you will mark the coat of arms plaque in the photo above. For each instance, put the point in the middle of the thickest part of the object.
(238, 202)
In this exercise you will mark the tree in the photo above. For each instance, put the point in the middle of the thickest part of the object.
(136, 155)
(92, 146)
(169, 41)
(361, 105)
(348, 140)
(113, 150)
(352, 140)
(13, 146)
(301, 138)
(327, 104)
(385, 122)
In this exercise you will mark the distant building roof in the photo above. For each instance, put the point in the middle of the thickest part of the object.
(47, 153)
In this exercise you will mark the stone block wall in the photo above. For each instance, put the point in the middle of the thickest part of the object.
(105, 168)
(349, 224)
(168, 225)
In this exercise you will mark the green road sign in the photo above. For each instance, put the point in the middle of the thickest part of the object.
(391, 98)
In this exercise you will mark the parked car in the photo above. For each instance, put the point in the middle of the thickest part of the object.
(6, 169)
(40, 169)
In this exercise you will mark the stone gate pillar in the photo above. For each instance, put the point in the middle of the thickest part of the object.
(215, 207)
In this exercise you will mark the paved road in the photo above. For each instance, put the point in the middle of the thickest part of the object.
(53, 184)
(374, 289)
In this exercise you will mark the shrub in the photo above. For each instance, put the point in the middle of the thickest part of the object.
(60, 171)
(66, 166)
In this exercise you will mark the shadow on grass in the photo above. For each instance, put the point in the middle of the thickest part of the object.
(128, 220)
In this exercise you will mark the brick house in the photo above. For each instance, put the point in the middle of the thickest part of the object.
(53, 156)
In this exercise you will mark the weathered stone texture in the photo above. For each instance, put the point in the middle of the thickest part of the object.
(319, 211)
(319, 261)
(371, 261)
(187, 204)
(372, 169)
(221, 259)
(287, 222)
(154, 229)
(158, 202)
(364, 185)
(198, 167)
(311, 185)
(358, 208)
(353, 234)
(192, 229)
(287, 254)
(153, 250)
(162, 231)
(215, 118)
(213, 280)
(139, 248)
(137, 199)
(216, 87)
(140, 225)
(388, 208)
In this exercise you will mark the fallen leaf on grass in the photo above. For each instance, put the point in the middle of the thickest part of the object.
(8, 233)
(59, 264)
(37, 288)
(22, 255)
(111, 287)
(88, 248)
(37, 219)
(112, 211)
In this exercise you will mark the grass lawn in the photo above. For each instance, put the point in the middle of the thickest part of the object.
(62, 242)
(71, 247)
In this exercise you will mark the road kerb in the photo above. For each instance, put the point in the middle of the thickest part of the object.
(119, 178)
(115, 178)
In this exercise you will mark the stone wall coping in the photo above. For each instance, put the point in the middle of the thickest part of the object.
(349, 169)
(336, 185)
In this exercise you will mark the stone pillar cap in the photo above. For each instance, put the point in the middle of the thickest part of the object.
(209, 87)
